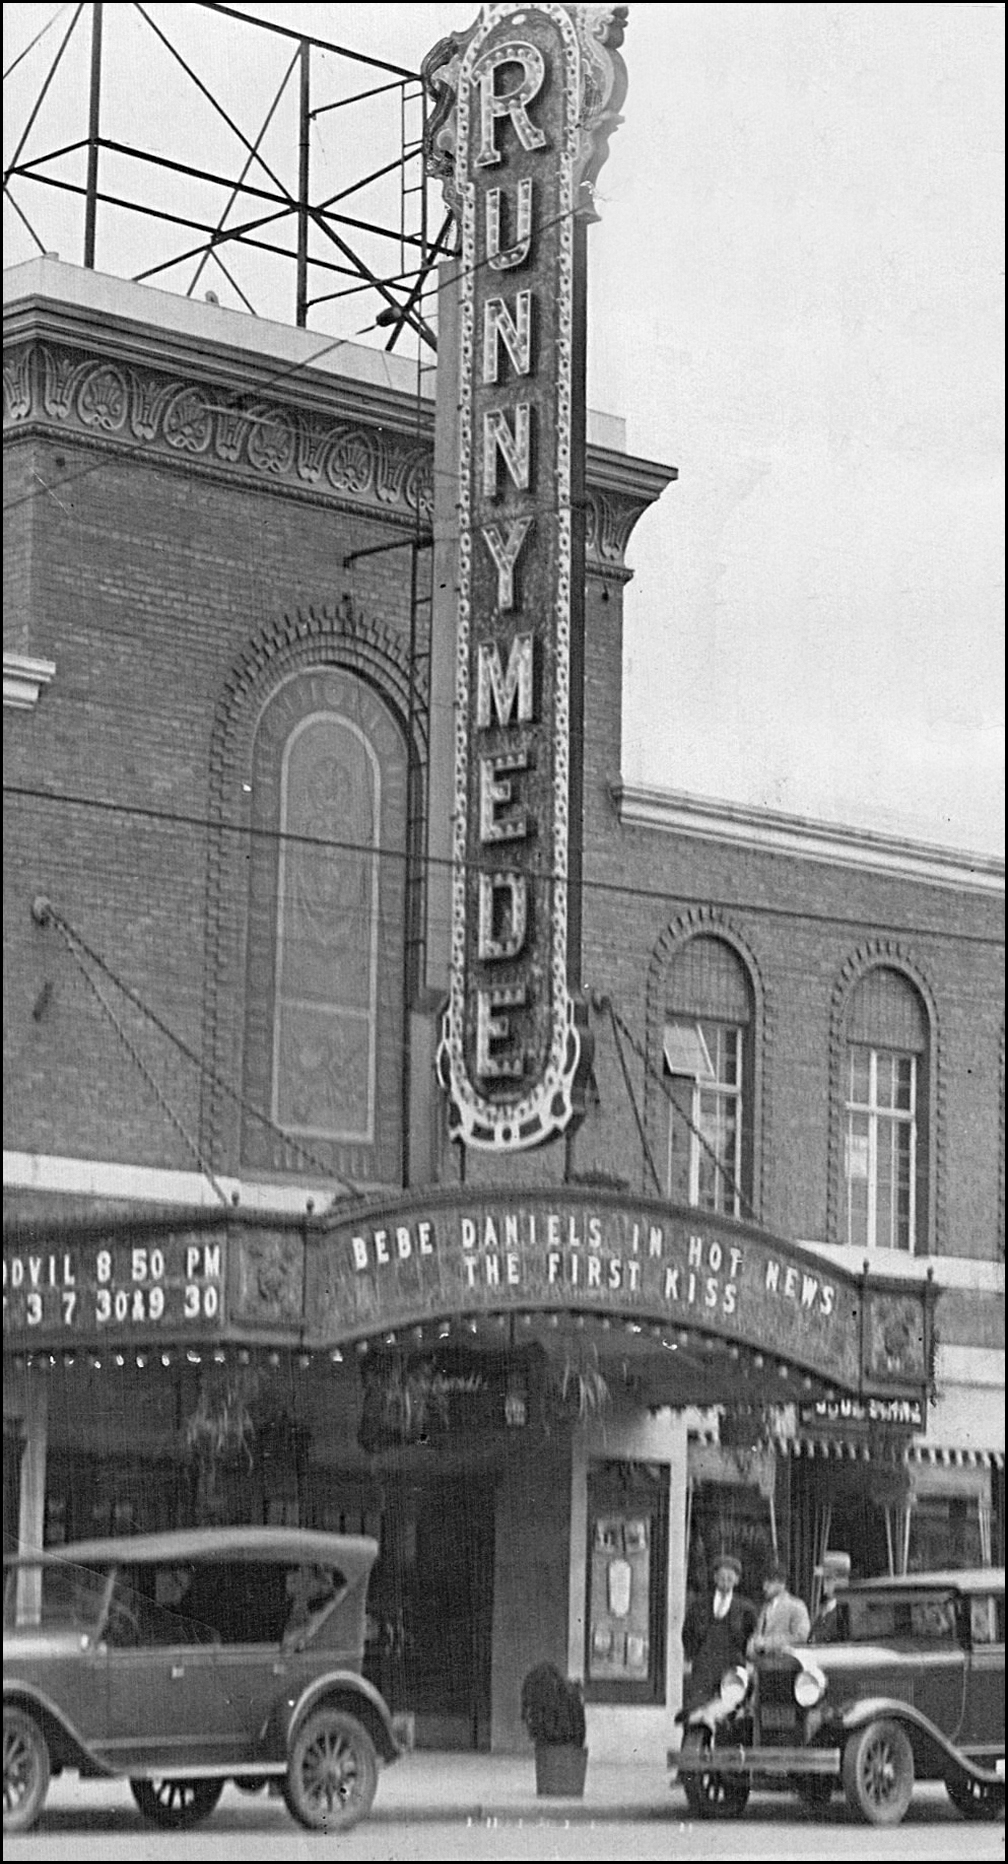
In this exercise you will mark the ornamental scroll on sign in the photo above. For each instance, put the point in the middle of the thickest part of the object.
(524, 106)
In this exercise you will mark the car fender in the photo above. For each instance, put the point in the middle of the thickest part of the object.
(857, 1714)
(351, 1691)
(67, 1748)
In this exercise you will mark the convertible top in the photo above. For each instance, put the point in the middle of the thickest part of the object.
(355, 1554)
(968, 1579)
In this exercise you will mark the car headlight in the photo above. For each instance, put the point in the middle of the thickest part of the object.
(734, 1687)
(809, 1687)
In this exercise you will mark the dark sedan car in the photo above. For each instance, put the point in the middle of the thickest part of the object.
(184, 1660)
(909, 1687)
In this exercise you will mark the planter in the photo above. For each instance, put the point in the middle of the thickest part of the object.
(560, 1771)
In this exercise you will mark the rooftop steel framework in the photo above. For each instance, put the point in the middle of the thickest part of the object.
(257, 206)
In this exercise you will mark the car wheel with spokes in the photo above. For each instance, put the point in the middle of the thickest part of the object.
(332, 1772)
(176, 1804)
(26, 1770)
(712, 1795)
(878, 1772)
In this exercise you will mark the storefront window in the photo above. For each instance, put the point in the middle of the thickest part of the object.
(626, 1579)
(948, 1531)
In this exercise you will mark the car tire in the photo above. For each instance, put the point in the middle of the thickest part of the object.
(26, 1770)
(976, 1799)
(878, 1772)
(251, 1782)
(712, 1795)
(176, 1804)
(332, 1772)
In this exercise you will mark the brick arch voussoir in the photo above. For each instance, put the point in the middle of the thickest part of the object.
(307, 637)
(713, 922)
(872, 955)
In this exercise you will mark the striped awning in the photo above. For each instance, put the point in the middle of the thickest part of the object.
(855, 1450)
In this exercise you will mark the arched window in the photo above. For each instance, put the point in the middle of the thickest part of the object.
(708, 1060)
(326, 998)
(324, 974)
(885, 1123)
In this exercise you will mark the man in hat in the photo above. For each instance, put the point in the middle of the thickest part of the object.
(784, 1620)
(716, 1632)
(834, 1574)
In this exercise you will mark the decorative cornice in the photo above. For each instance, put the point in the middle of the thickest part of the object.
(24, 679)
(356, 448)
(674, 812)
(239, 434)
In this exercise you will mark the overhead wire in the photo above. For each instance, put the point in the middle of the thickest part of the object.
(617, 889)
(49, 914)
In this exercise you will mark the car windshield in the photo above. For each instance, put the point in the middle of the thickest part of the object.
(54, 1597)
(232, 1601)
(887, 1617)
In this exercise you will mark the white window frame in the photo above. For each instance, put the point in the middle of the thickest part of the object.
(705, 1081)
(878, 1115)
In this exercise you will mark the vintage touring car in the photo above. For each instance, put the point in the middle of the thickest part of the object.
(187, 1659)
(909, 1687)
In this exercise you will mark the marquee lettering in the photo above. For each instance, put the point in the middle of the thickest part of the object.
(505, 258)
(524, 104)
(512, 103)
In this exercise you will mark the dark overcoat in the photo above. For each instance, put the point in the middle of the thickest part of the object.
(714, 1645)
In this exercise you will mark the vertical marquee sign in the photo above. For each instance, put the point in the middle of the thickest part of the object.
(526, 102)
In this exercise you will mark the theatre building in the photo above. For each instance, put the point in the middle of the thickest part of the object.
(410, 1127)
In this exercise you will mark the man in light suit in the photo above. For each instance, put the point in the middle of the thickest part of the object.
(783, 1621)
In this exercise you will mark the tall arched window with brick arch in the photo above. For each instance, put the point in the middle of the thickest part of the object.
(322, 1054)
(708, 1049)
(885, 1113)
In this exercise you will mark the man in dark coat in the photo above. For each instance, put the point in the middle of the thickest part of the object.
(834, 1574)
(716, 1632)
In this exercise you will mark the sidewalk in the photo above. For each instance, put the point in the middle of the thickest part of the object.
(502, 1786)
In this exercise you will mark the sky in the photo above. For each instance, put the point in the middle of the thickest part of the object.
(796, 298)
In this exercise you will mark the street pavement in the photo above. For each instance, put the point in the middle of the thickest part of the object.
(442, 1786)
(483, 1809)
(476, 1788)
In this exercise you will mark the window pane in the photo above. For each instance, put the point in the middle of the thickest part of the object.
(680, 1141)
(904, 1082)
(686, 1051)
(704, 1058)
(717, 1166)
(856, 1146)
(879, 1147)
(857, 1212)
(326, 949)
(723, 1045)
(859, 1075)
